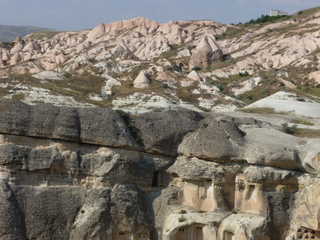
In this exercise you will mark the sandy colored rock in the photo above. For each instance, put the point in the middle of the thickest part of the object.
(194, 75)
(225, 141)
(141, 81)
(206, 53)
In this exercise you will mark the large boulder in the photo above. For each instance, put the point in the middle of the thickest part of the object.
(141, 81)
(269, 147)
(206, 53)
(220, 141)
(161, 133)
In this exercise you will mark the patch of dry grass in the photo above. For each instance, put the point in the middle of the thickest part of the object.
(45, 34)
(301, 121)
(264, 110)
(307, 133)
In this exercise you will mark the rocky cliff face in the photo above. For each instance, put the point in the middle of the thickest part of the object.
(93, 173)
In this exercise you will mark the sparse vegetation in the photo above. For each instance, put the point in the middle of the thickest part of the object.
(77, 86)
(306, 13)
(6, 45)
(18, 96)
(286, 128)
(264, 110)
(266, 19)
(132, 128)
(301, 121)
(174, 49)
(196, 68)
(307, 133)
(234, 211)
(133, 73)
(231, 32)
(240, 185)
(44, 34)
(182, 211)
(185, 94)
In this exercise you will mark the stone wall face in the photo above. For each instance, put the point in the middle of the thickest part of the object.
(66, 176)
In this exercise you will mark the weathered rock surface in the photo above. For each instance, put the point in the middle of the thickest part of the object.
(77, 173)
(162, 133)
(206, 53)
(107, 127)
(142, 81)
(220, 141)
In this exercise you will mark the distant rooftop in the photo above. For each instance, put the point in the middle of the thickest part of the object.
(274, 13)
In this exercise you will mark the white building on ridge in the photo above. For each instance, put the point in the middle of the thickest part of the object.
(274, 13)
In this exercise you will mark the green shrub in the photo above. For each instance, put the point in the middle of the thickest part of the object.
(196, 68)
(289, 129)
(182, 211)
(266, 18)
(243, 74)
(240, 185)
(164, 85)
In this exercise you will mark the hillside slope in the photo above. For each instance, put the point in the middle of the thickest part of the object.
(138, 64)
(9, 33)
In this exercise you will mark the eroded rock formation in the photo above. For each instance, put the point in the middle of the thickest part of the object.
(93, 173)
(206, 53)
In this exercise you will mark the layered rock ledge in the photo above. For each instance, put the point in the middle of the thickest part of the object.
(94, 173)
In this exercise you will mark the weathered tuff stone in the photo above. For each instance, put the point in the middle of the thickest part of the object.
(95, 126)
(93, 220)
(12, 225)
(43, 119)
(49, 213)
(79, 180)
(67, 125)
(15, 158)
(105, 127)
(219, 141)
(55, 186)
(206, 53)
(161, 133)
(14, 117)
(128, 211)
(196, 169)
(270, 147)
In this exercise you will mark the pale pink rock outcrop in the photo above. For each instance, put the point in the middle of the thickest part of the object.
(15, 59)
(18, 47)
(194, 76)
(143, 23)
(60, 59)
(32, 46)
(206, 53)
(141, 81)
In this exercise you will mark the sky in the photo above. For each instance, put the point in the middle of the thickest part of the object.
(74, 15)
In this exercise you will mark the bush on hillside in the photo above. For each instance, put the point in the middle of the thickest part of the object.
(265, 18)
